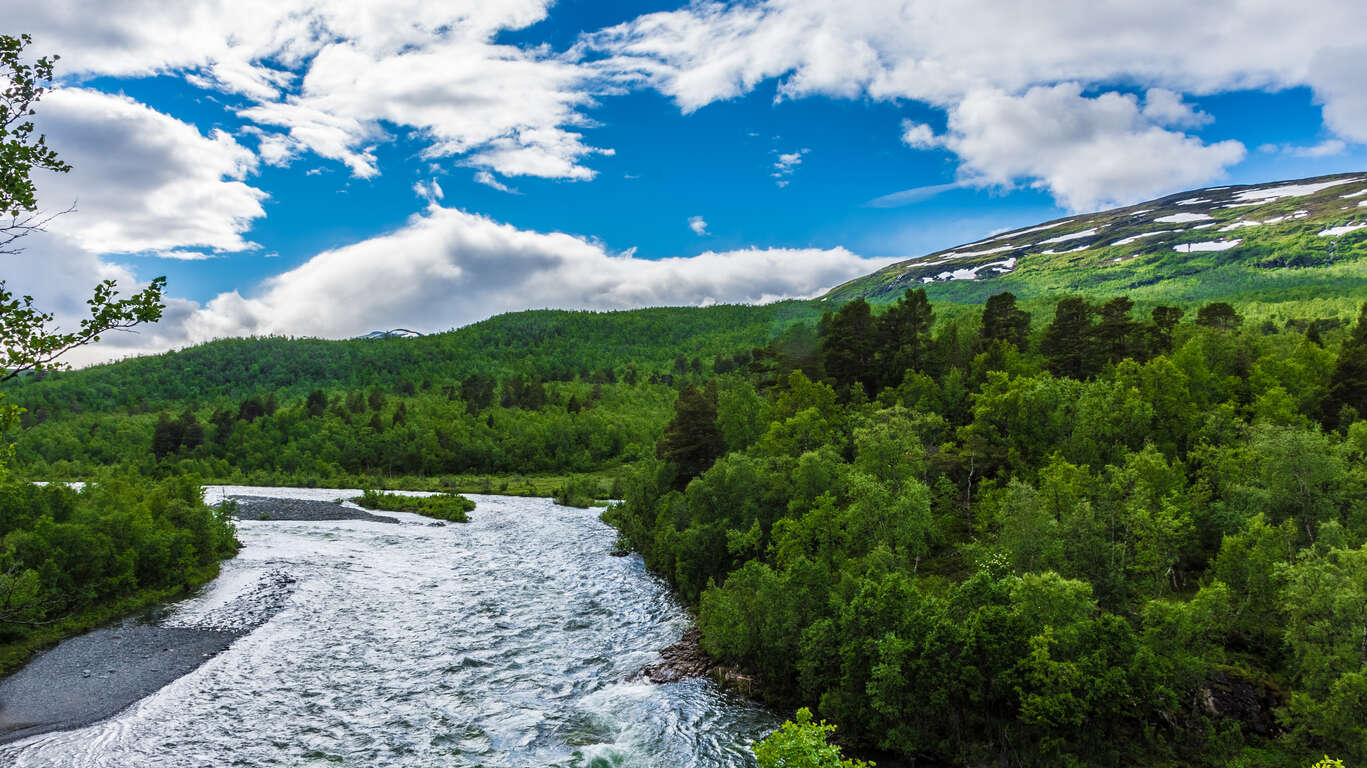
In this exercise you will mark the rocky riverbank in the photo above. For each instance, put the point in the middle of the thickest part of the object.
(686, 659)
(269, 508)
(88, 678)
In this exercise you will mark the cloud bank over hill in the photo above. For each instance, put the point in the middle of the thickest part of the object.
(446, 268)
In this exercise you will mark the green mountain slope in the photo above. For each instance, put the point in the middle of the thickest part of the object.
(552, 344)
(1268, 244)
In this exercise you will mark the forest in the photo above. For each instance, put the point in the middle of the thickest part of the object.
(71, 561)
(1077, 532)
(1104, 541)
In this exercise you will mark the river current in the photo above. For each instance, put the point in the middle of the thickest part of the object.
(512, 640)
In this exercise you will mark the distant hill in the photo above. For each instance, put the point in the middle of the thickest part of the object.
(1289, 241)
(554, 344)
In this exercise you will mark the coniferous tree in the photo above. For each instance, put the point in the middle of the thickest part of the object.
(223, 420)
(1312, 334)
(692, 441)
(1116, 336)
(848, 344)
(1002, 321)
(355, 401)
(251, 409)
(1067, 340)
(477, 390)
(1165, 320)
(902, 335)
(1218, 315)
(1348, 383)
(165, 436)
(191, 431)
(376, 399)
(316, 404)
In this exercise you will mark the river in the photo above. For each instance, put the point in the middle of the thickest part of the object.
(513, 640)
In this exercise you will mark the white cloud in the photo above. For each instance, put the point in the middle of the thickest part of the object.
(143, 180)
(1326, 148)
(489, 180)
(1165, 107)
(60, 276)
(1336, 75)
(1087, 151)
(919, 135)
(408, 278)
(698, 224)
(786, 164)
(336, 77)
(430, 191)
(913, 195)
(958, 57)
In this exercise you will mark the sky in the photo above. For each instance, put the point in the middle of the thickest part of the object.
(330, 168)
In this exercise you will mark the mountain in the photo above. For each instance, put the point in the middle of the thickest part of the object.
(1271, 243)
(396, 333)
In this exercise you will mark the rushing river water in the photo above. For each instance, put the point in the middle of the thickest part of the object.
(513, 640)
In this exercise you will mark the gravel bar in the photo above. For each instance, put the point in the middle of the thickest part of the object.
(88, 678)
(269, 508)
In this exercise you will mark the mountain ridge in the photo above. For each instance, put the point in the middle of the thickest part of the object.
(1255, 229)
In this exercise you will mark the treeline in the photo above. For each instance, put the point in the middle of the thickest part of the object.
(478, 425)
(70, 560)
(550, 344)
(1109, 541)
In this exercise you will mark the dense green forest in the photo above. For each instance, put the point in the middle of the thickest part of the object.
(535, 392)
(1104, 541)
(1040, 533)
(70, 561)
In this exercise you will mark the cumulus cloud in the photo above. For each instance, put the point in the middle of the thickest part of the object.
(919, 135)
(698, 224)
(1165, 107)
(1087, 151)
(1336, 75)
(333, 77)
(979, 52)
(143, 180)
(446, 268)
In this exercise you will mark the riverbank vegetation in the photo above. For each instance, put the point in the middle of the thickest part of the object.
(1094, 540)
(451, 507)
(72, 560)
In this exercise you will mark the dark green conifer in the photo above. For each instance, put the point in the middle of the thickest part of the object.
(692, 441)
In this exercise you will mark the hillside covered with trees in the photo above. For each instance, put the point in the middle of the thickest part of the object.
(1113, 540)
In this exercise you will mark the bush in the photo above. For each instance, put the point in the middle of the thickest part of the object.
(451, 507)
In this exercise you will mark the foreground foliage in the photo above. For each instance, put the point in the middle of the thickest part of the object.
(1112, 542)
(801, 743)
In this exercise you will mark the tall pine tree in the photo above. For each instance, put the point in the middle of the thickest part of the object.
(1348, 384)
(848, 343)
(692, 441)
(1002, 321)
(1067, 343)
(903, 338)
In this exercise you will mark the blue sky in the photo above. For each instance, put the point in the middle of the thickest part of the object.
(610, 154)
